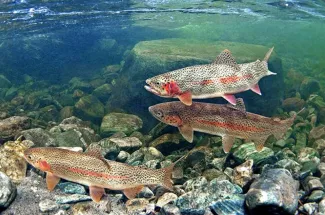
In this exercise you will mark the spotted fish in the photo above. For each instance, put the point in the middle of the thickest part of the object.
(226, 120)
(222, 78)
(93, 170)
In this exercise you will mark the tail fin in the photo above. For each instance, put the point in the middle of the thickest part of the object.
(268, 54)
(167, 174)
(287, 123)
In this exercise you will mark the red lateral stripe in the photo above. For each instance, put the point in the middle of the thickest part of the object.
(96, 174)
(230, 126)
(231, 79)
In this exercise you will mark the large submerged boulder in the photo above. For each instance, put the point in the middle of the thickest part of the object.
(150, 58)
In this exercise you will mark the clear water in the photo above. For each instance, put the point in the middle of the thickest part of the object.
(55, 41)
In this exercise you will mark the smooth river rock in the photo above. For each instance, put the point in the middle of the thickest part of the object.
(274, 192)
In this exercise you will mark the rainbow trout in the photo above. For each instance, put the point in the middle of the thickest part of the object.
(226, 120)
(91, 169)
(222, 78)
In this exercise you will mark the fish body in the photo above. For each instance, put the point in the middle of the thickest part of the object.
(225, 120)
(93, 170)
(222, 78)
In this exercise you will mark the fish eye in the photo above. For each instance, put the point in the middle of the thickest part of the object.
(157, 83)
(159, 114)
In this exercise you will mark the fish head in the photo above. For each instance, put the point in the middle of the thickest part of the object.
(162, 86)
(166, 113)
(37, 158)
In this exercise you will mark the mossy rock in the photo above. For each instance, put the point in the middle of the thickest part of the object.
(89, 107)
(150, 58)
(4, 82)
(120, 122)
(103, 92)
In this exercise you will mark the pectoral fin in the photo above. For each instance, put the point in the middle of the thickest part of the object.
(230, 98)
(256, 89)
(187, 132)
(259, 143)
(51, 181)
(96, 193)
(227, 142)
(186, 98)
(131, 193)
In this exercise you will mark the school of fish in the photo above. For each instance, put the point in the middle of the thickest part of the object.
(222, 78)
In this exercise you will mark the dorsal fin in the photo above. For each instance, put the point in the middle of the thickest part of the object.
(95, 152)
(240, 105)
(226, 58)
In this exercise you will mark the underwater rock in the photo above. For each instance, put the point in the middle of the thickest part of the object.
(317, 133)
(307, 154)
(70, 138)
(275, 191)
(66, 112)
(170, 142)
(11, 93)
(170, 209)
(136, 205)
(116, 122)
(234, 204)
(247, 151)
(107, 205)
(197, 156)
(8, 191)
(151, 153)
(39, 137)
(74, 198)
(103, 92)
(315, 196)
(89, 107)
(11, 126)
(321, 206)
(122, 156)
(48, 205)
(72, 188)
(166, 198)
(312, 183)
(309, 86)
(127, 143)
(4, 82)
(242, 174)
(136, 157)
(77, 83)
(201, 196)
(319, 145)
(289, 164)
(12, 162)
(109, 149)
(309, 208)
(146, 193)
(210, 174)
(301, 140)
(293, 104)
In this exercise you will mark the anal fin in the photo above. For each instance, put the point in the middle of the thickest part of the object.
(230, 98)
(131, 193)
(187, 132)
(186, 98)
(259, 143)
(256, 89)
(51, 181)
(227, 142)
(96, 193)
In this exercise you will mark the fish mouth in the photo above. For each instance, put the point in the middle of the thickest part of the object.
(150, 89)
